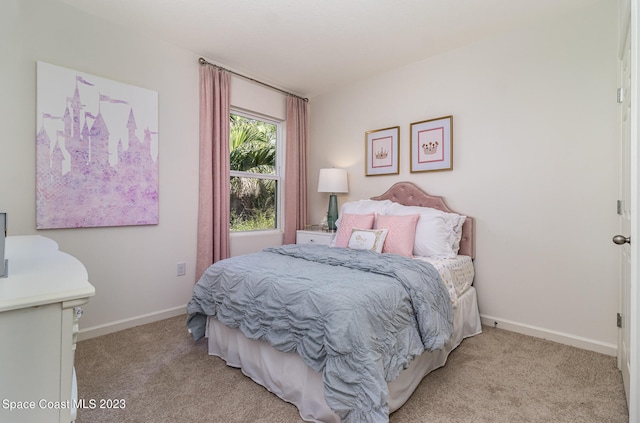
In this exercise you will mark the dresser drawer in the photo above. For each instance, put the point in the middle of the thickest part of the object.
(314, 237)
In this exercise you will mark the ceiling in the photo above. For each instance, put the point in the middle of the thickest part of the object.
(310, 47)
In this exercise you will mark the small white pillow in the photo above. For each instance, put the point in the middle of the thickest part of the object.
(367, 239)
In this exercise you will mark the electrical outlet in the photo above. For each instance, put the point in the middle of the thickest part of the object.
(181, 269)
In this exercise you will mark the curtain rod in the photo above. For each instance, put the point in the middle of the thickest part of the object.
(204, 62)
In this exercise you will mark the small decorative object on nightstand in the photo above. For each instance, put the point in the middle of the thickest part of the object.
(314, 237)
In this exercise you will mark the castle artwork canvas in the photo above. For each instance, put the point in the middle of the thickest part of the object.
(96, 151)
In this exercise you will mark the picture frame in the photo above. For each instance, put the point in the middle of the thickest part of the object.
(432, 145)
(382, 151)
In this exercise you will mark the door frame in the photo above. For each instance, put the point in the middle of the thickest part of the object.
(634, 350)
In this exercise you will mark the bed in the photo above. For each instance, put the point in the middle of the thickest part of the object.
(368, 367)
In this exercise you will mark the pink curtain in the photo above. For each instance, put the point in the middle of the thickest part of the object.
(295, 189)
(213, 211)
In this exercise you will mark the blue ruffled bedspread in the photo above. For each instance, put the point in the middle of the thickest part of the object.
(356, 316)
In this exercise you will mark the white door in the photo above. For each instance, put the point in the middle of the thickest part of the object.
(627, 206)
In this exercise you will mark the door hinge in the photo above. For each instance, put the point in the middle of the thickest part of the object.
(619, 207)
(619, 320)
(620, 95)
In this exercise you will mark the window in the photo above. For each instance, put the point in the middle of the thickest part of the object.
(255, 176)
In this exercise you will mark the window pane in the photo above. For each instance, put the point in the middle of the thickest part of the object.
(252, 145)
(253, 203)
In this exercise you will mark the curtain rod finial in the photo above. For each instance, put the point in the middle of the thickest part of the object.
(202, 61)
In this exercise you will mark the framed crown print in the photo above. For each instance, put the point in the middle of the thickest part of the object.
(432, 145)
(382, 152)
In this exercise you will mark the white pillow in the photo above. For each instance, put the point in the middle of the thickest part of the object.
(364, 207)
(367, 239)
(438, 233)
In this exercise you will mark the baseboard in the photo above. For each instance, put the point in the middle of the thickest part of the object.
(562, 338)
(119, 325)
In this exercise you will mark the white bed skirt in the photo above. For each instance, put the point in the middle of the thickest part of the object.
(287, 376)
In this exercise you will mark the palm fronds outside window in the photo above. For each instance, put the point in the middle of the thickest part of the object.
(255, 179)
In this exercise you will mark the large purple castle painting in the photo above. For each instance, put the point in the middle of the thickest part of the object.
(96, 151)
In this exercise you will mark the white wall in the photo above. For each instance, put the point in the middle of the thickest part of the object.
(132, 268)
(535, 162)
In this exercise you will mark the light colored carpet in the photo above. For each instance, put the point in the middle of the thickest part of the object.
(498, 376)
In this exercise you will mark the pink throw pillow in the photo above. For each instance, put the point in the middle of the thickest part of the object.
(401, 235)
(349, 222)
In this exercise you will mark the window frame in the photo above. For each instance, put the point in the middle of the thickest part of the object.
(278, 176)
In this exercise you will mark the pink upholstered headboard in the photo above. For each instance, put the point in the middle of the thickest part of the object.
(409, 194)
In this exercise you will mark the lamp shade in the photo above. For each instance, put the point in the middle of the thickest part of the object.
(333, 180)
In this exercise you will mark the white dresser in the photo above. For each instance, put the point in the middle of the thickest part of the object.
(314, 237)
(39, 311)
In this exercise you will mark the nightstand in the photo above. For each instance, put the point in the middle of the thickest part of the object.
(314, 237)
